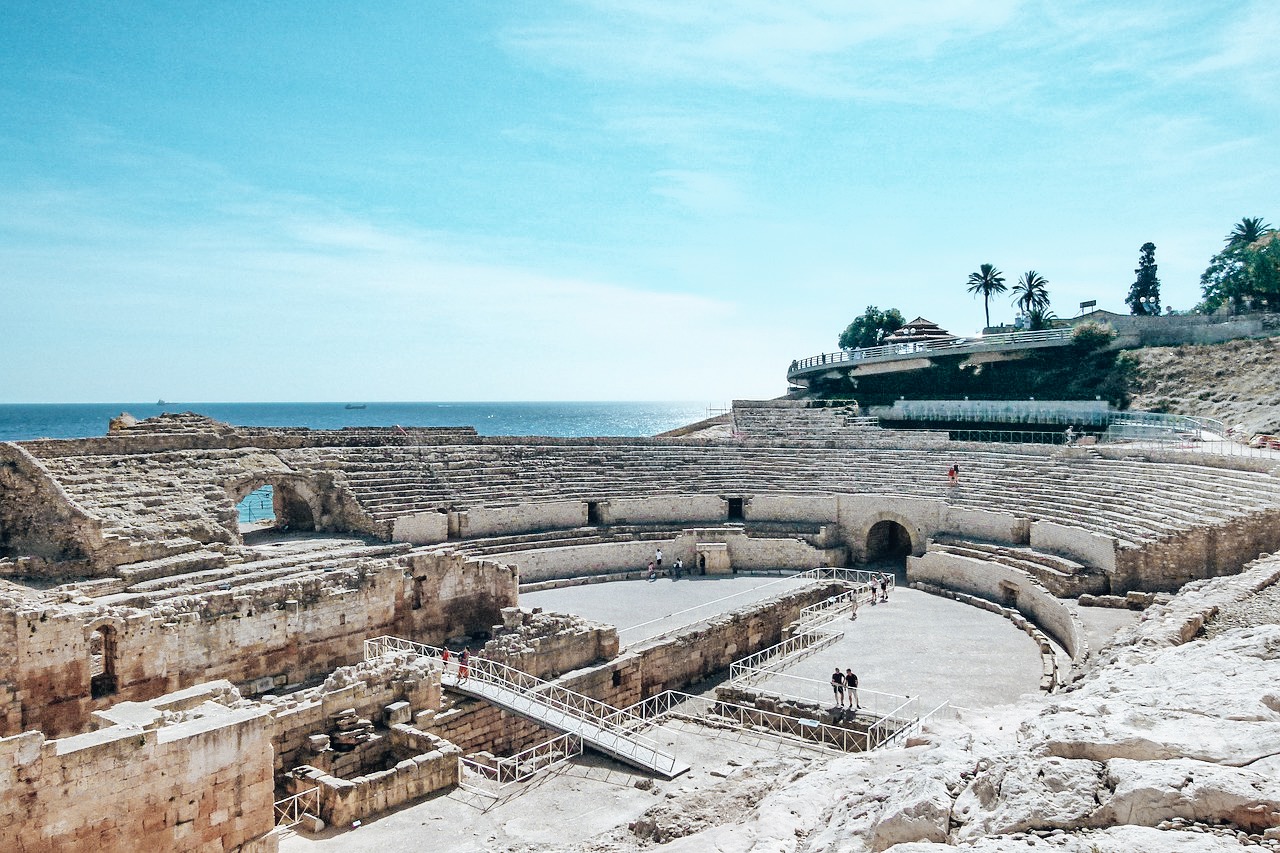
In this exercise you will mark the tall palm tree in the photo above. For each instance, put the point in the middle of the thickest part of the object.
(988, 281)
(1247, 231)
(1031, 292)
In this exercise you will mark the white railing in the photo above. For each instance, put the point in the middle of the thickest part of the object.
(508, 771)
(768, 661)
(1048, 337)
(291, 810)
(853, 576)
(671, 704)
(527, 691)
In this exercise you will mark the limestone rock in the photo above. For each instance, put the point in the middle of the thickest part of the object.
(1017, 794)
(1148, 792)
(920, 810)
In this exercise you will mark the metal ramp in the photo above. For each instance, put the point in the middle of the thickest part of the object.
(600, 726)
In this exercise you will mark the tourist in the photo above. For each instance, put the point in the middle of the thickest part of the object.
(884, 587)
(463, 664)
(677, 568)
(837, 687)
(851, 686)
(953, 474)
(657, 559)
(653, 575)
(444, 659)
(1069, 437)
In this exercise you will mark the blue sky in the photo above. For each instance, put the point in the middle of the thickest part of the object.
(640, 200)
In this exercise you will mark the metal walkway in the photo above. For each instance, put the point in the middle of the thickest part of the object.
(600, 725)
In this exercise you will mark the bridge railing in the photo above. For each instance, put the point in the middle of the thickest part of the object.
(290, 811)
(876, 353)
(544, 692)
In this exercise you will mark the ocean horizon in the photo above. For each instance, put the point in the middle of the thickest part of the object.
(28, 421)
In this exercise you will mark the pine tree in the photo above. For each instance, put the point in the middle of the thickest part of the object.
(1144, 293)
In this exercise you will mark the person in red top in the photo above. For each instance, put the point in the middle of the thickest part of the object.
(463, 662)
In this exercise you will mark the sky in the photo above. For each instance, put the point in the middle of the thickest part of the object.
(634, 200)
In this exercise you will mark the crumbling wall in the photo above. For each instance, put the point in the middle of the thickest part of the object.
(202, 783)
(451, 595)
(1202, 552)
(546, 645)
(38, 519)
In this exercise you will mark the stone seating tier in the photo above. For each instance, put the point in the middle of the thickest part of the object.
(177, 495)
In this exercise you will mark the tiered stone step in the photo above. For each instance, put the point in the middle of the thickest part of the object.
(1059, 575)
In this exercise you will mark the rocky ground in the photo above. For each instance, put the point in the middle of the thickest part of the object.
(1237, 382)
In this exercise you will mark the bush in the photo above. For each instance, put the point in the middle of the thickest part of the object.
(1092, 336)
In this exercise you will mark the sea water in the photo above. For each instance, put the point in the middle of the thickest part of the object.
(21, 422)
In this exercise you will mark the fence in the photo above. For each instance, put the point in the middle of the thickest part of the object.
(291, 810)
(507, 772)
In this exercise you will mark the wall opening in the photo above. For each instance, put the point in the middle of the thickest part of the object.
(1008, 595)
(887, 540)
(257, 510)
(593, 513)
(274, 507)
(102, 662)
(736, 510)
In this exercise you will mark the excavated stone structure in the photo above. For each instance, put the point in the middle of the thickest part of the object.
(125, 576)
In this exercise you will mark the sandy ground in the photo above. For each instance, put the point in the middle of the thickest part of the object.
(917, 645)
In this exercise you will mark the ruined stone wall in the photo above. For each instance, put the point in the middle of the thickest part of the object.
(38, 519)
(200, 784)
(1202, 552)
(475, 725)
(450, 595)
(260, 638)
(710, 646)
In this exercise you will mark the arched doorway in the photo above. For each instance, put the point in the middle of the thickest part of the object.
(887, 540)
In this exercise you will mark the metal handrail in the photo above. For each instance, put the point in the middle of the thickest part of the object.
(883, 351)
(512, 770)
(290, 811)
(536, 691)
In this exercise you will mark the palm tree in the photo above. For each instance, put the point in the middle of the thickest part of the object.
(1247, 231)
(1032, 292)
(988, 281)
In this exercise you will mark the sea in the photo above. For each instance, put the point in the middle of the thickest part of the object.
(25, 421)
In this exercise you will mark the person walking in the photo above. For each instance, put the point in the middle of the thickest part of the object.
(851, 688)
(444, 659)
(464, 662)
(676, 568)
(884, 588)
(653, 575)
(657, 559)
(837, 687)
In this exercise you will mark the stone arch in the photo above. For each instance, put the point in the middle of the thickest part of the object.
(890, 535)
(296, 502)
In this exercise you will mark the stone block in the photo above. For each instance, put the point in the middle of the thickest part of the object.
(397, 712)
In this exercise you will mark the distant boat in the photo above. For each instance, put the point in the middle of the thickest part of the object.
(355, 405)
(161, 403)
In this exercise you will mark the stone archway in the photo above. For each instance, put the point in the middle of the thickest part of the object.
(888, 539)
(295, 504)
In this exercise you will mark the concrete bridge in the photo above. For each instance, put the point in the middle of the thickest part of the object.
(891, 358)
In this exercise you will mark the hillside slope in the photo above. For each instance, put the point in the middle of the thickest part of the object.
(1237, 382)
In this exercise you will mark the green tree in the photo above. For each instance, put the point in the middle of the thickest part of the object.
(1144, 293)
(1040, 318)
(988, 281)
(1244, 274)
(1247, 230)
(1031, 293)
(871, 328)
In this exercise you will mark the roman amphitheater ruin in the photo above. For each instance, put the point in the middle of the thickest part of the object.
(169, 681)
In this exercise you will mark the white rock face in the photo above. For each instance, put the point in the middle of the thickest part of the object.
(1148, 792)
(1120, 839)
(1017, 794)
(1212, 701)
